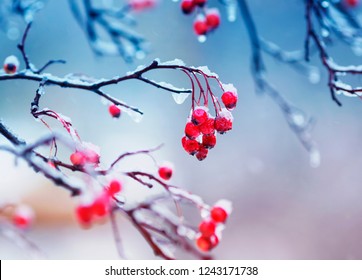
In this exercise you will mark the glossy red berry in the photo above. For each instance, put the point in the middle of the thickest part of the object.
(212, 18)
(199, 116)
(191, 130)
(200, 3)
(190, 146)
(214, 241)
(115, 187)
(224, 121)
(202, 153)
(204, 243)
(207, 228)
(84, 214)
(218, 214)
(229, 99)
(209, 141)
(207, 127)
(11, 64)
(200, 27)
(23, 217)
(165, 172)
(187, 6)
(78, 159)
(114, 111)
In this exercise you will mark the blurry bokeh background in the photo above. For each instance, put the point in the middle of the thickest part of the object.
(283, 208)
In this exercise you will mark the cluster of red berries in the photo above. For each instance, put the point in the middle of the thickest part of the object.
(210, 228)
(201, 127)
(11, 65)
(100, 206)
(85, 156)
(206, 19)
(23, 216)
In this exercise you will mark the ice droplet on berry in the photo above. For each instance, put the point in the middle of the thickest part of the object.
(180, 97)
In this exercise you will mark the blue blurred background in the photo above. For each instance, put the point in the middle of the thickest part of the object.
(283, 208)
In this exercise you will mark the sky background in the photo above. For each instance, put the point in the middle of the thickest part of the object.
(283, 208)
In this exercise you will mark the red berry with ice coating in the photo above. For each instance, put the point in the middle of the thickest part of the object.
(78, 159)
(212, 18)
(114, 111)
(190, 146)
(204, 243)
(199, 116)
(207, 127)
(191, 130)
(84, 214)
(209, 141)
(23, 216)
(229, 99)
(202, 153)
(11, 64)
(115, 187)
(165, 172)
(218, 214)
(187, 6)
(224, 121)
(207, 228)
(200, 3)
(200, 27)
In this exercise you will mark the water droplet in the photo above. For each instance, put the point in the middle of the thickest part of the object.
(201, 39)
(180, 97)
(314, 75)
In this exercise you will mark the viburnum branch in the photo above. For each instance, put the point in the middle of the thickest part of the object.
(295, 117)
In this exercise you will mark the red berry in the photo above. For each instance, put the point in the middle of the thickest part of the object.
(199, 116)
(213, 18)
(78, 159)
(190, 146)
(218, 214)
(100, 205)
(202, 153)
(207, 127)
(187, 6)
(229, 99)
(207, 228)
(139, 5)
(204, 243)
(114, 111)
(11, 64)
(115, 187)
(214, 240)
(191, 130)
(200, 27)
(84, 214)
(209, 141)
(165, 172)
(352, 3)
(23, 216)
(200, 3)
(224, 121)
(91, 156)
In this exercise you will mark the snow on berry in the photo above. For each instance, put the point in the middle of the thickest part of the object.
(114, 110)
(165, 171)
(78, 158)
(23, 216)
(221, 210)
(11, 64)
(199, 115)
(212, 18)
(224, 121)
(229, 99)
